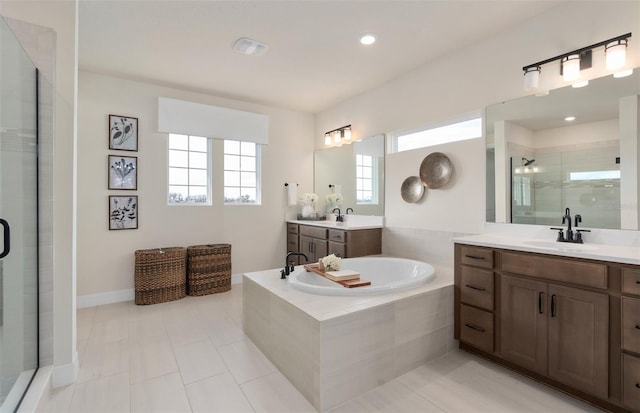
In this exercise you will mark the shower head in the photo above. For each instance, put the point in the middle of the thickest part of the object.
(527, 162)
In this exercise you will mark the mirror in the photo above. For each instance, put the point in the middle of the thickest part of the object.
(538, 163)
(355, 171)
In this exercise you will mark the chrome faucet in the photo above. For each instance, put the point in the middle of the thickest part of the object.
(339, 218)
(569, 237)
(288, 265)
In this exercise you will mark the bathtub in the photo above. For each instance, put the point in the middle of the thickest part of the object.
(386, 274)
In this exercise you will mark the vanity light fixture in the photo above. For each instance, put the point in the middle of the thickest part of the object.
(571, 63)
(338, 136)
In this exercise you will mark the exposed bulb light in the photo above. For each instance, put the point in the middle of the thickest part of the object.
(327, 139)
(532, 78)
(571, 67)
(336, 136)
(368, 39)
(616, 54)
(623, 73)
(581, 83)
(570, 118)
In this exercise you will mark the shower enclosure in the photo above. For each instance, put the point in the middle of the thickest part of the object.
(19, 349)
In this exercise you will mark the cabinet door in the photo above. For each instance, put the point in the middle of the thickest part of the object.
(338, 248)
(319, 249)
(578, 338)
(524, 322)
(306, 247)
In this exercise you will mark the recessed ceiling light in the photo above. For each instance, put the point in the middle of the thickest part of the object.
(368, 39)
(570, 118)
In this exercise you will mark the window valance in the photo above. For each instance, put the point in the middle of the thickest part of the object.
(190, 118)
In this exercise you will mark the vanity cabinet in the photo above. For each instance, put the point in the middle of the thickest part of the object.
(568, 322)
(317, 242)
(631, 338)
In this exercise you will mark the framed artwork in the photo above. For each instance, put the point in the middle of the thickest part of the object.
(123, 172)
(123, 212)
(123, 133)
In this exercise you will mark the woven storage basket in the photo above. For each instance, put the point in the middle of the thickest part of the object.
(209, 269)
(160, 275)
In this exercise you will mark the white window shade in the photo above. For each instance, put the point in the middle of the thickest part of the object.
(197, 119)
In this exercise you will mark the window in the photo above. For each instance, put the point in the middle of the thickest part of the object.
(452, 132)
(241, 173)
(189, 182)
(366, 182)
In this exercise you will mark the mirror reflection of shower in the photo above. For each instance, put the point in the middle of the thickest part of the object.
(525, 168)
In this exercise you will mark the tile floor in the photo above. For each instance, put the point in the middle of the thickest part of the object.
(192, 356)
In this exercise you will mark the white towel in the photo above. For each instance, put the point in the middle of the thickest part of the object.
(292, 193)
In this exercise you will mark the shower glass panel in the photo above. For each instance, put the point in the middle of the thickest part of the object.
(19, 219)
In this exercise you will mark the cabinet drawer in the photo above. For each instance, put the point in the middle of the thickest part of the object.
(476, 328)
(631, 382)
(631, 324)
(575, 272)
(476, 287)
(476, 256)
(338, 248)
(315, 232)
(336, 235)
(631, 281)
(292, 228)
(293, 246)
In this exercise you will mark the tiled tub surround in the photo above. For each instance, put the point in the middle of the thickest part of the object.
(334, 348)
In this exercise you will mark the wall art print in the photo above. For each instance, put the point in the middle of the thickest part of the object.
(123, 172)
(123, 212)
(123, 133)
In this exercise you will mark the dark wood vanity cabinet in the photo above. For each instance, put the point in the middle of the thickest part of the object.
(560, 320)
(317, 242)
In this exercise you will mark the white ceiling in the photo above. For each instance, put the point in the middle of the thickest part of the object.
(314, 59)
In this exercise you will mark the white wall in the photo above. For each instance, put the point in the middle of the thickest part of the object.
(466, 82)
(257, 233)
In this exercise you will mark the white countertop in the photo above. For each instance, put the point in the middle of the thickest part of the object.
(325, 307)
(352, 222)
(627, 254)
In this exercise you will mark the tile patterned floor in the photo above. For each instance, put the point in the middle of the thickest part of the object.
(191, 355)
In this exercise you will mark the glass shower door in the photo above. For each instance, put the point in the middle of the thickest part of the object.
(19, 221)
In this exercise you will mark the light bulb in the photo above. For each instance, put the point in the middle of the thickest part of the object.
(616, 54)
(336, 136)
(571, 67)
(327, 139)
(347, 134)
(531, 79)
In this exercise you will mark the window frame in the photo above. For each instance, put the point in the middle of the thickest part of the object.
(209, 171)
(258, 172)
(394, 143)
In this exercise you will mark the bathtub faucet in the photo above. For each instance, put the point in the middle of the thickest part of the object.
(288, 265)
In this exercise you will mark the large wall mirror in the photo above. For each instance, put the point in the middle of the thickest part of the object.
(575, 148)
(356, 171)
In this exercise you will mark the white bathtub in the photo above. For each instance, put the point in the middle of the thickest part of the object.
(386, 274)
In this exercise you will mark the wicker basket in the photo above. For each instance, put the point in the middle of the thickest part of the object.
(160, 275)
(209, 269)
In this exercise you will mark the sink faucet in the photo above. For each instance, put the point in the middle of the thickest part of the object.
(288, 265)
(349, 209)
(339, 218)
(566, 218)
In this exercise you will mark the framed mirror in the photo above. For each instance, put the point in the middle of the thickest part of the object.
(354, 171)
(575, 148)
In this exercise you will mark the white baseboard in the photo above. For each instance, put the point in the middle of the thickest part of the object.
(110, 297)
(66, 373)
(38, 390)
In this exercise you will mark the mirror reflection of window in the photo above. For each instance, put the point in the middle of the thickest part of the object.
(366, 180)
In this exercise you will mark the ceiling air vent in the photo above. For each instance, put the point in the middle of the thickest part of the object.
(250, 47)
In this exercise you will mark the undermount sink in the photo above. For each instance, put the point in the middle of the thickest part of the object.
(560, 246)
